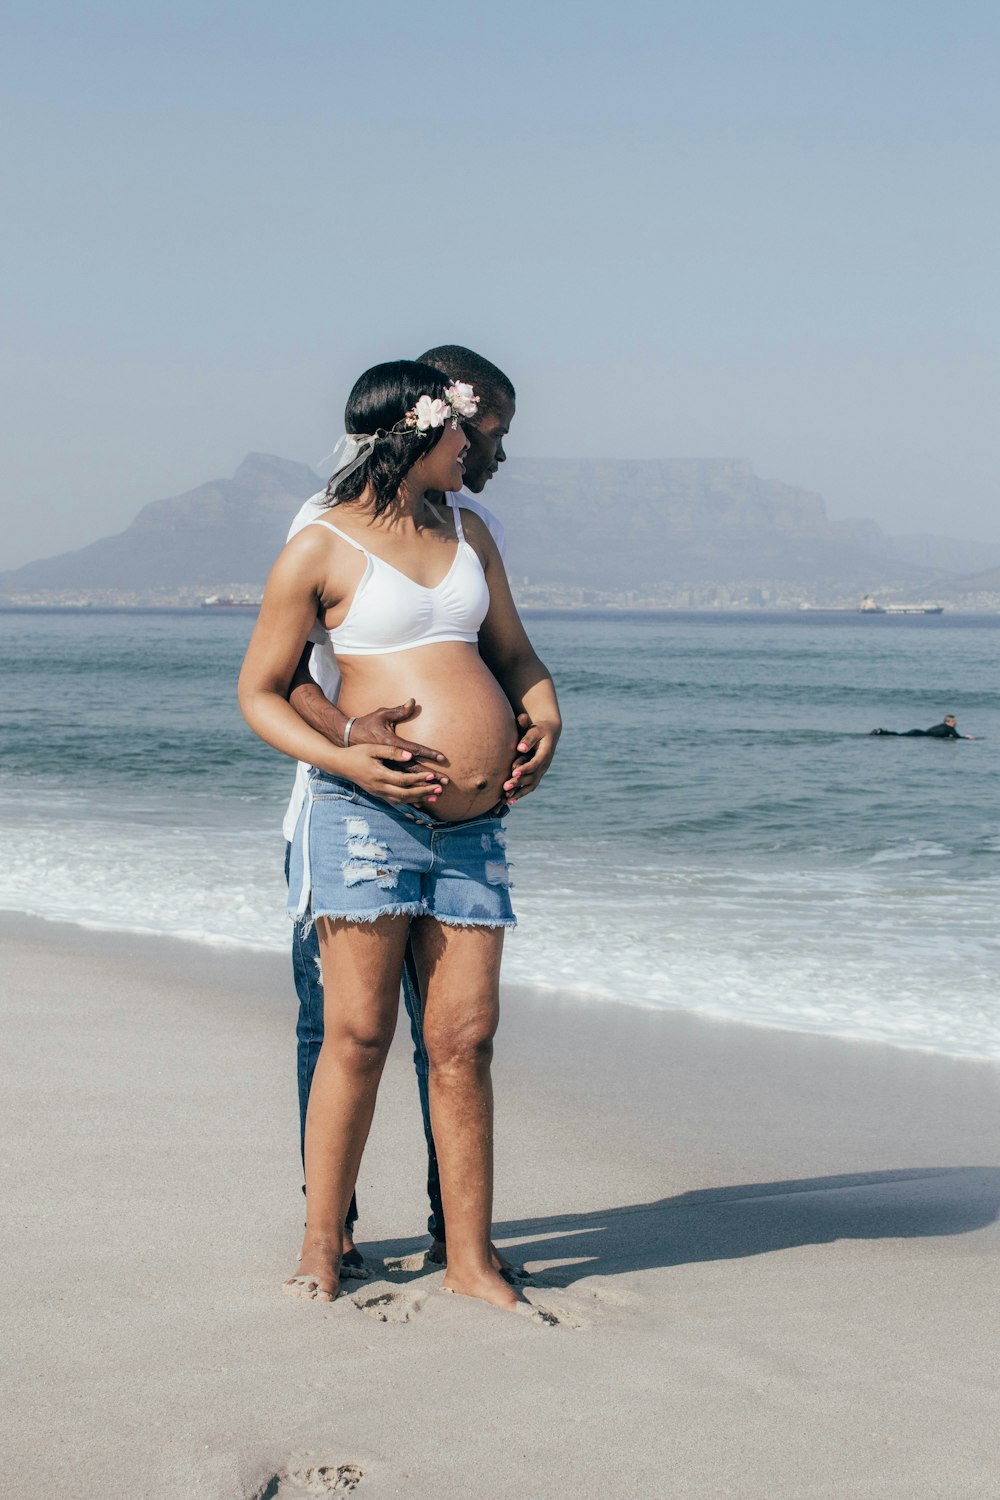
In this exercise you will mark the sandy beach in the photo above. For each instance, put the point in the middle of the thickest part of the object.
(773, 1256)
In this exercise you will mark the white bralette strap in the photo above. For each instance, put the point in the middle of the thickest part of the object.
(337, 532)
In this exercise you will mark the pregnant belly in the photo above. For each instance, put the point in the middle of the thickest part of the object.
(462, 711)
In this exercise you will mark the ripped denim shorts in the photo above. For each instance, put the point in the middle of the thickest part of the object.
(357, 857)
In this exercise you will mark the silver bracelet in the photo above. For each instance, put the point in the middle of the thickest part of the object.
(347, 731)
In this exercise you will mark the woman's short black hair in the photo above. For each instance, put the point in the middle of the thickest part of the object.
(377, 406)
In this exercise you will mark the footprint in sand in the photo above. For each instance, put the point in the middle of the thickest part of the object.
(554, 1312)
(409, 1264)
(580, 1306)
(387, 1305)
(301, 1479)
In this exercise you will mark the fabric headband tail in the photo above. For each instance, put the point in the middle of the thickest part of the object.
(349, 454)
(459, 400)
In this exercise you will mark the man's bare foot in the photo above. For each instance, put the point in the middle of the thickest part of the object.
(437, 1255)
(317, 1278)
(488, 1285)
(352, 1262)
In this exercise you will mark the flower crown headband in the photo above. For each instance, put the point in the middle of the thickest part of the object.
(459, 400)
(352, 450)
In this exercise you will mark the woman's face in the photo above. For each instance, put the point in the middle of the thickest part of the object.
(443, 468)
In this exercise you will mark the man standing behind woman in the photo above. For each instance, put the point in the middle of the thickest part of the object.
(411, 596)
(314, 693)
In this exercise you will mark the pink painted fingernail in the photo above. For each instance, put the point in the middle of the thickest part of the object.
(522, 747)
(407, 755)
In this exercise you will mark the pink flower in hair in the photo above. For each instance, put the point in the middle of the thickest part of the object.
(430, 411)
(462, 399)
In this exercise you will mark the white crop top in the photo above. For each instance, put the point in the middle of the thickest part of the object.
(392, 612)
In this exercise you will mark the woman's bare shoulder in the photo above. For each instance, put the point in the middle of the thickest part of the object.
(318, 558)
(477, 533)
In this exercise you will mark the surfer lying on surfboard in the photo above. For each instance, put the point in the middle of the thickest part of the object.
(946, 730)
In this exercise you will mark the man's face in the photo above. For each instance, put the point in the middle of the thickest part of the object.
(486, 434)
(950, 720)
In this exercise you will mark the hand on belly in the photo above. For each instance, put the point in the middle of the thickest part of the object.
(479, 739)
(475, 784)
(461, 710)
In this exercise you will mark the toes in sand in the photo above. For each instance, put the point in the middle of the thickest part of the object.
(317, 1278)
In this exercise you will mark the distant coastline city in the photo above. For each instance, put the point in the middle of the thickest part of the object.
(780, 597)
(655, 534)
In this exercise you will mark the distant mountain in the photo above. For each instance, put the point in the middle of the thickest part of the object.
(611, 524)
(987, 582)
(946, 553)
(228, 529)
(626, 523)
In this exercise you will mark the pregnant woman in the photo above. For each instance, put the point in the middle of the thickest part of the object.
(416, 603)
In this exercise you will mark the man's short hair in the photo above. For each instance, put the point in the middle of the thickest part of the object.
(490, 383)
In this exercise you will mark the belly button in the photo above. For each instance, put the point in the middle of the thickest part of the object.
(482, 785)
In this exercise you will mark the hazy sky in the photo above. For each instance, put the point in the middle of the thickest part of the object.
(726, 228)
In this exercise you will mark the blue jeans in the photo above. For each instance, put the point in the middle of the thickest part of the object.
(309, 1034)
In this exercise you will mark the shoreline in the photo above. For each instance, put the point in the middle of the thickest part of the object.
(743, 611)
(14, 922)
(773, 1256)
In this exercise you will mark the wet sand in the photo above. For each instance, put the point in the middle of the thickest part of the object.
(774, 1257)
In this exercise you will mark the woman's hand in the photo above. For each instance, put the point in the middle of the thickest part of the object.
(536, 748)
(392, 774)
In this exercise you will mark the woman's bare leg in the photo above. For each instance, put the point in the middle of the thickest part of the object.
(362, 969)
(460, 977)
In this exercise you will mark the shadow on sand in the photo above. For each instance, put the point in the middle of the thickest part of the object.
(732, 1222)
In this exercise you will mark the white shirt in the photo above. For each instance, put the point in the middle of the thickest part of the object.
(323, 662)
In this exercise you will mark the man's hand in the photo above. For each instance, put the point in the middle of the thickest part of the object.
(535, 748)
(383, 764)
(379, 728)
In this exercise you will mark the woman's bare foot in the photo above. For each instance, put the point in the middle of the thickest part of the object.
(317, 1278)
(437, 1255)
(487, 1284)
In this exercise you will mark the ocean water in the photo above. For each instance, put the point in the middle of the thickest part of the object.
(720, 834)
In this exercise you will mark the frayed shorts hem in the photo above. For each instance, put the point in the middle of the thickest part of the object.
(472, 921)
(408, 909)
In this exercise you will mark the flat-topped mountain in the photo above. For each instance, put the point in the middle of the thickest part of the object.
(609, 524)
(621, 524)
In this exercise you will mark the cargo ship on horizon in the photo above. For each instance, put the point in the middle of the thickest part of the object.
(870, 606)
